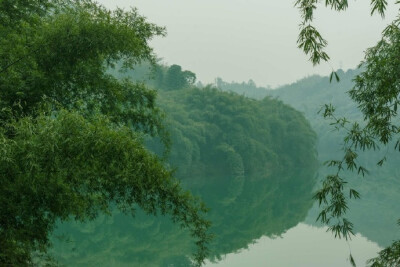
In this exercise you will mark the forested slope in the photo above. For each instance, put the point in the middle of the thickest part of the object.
(252, 162)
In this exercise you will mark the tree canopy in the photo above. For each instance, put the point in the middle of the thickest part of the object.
(72, 134)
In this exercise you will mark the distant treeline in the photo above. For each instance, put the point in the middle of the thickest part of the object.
(158, 76)
(249, 89)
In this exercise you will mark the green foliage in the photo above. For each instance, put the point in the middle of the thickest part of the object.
(389, 257)
(376, 93)
(175, 78)
(17, 11)
(310, 40)
(376, 88)
(352, 262)
(312, 43)
(71, 134)
(378, 6)
(229, 123)
(334, 73)
(63, 166)
(252, 162)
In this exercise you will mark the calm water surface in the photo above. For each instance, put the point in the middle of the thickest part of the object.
(303, 245)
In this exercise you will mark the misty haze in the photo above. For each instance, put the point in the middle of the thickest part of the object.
(199, 133)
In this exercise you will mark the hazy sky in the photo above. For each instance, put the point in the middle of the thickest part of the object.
(239, 40)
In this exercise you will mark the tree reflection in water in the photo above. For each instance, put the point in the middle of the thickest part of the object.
(252, 162)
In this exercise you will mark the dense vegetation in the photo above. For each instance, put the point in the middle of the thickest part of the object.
(256, 150)
(252, 162)
(71, 134)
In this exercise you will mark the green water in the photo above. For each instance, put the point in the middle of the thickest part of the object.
(259, 226)
(260, 207)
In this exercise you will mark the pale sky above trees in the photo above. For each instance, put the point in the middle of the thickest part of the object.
(239, 40)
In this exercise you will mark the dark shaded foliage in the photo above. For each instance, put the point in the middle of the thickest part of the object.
(71, 134)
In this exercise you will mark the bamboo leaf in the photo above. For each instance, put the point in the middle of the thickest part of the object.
(352, 262)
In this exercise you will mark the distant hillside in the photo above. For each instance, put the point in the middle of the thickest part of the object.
(376, 213)
(249, 89)
(310, 94)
